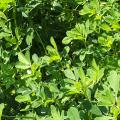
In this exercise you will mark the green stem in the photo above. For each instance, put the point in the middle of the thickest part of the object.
(41, 41)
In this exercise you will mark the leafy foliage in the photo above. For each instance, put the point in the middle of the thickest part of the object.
(59, 60)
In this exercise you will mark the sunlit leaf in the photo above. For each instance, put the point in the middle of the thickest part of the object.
(114, 81)
(23, 98)
(69, 74)
(23, 59)
(1, 109)
(73, 114)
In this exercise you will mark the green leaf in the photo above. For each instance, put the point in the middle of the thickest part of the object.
(100, 74)
(35, 58)
(69, 74)
(81, 74)
(114, 81)
(66, 40)
(22, 66)
(92, 74)
(106, 27)
(82, 56)
(4, 4)
(4, 35)
(29, 37)
(95, 110)
(73, 114)
(77, 33)
(87, 28)
(119, 63)
(85, 10)
(27, 55)
(2, 15)
(105, 97)
(54, 58)
(94, 65)
(23, 90)
(52, 51)
(23, 59)
(1, 109)
(53, 42)
(23, 98)
(56, 114)
(53, 88)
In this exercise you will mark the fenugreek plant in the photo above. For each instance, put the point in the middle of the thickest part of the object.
(59, 60)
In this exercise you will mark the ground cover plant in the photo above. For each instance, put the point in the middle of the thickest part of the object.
(59, 60)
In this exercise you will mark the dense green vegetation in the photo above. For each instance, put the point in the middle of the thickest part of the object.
(59, 59)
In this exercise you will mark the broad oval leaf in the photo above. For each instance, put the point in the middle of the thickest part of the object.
(114, 81)
(69, 74)
(23, 98)
(73, 114)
